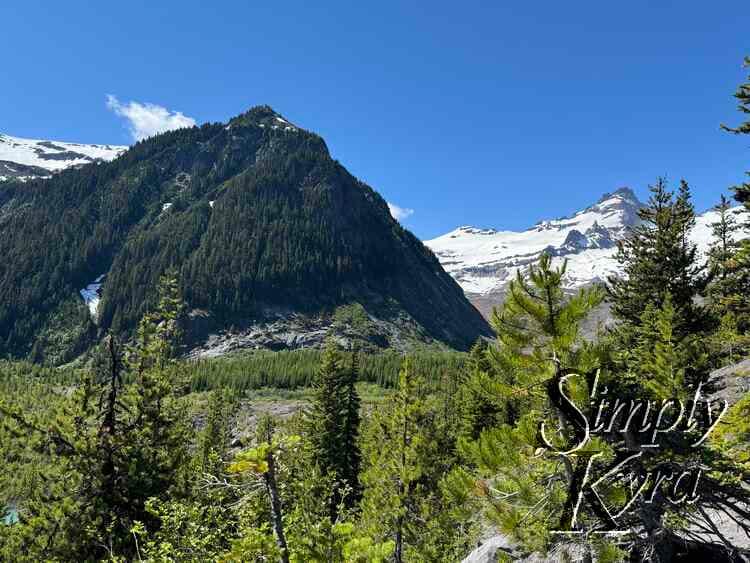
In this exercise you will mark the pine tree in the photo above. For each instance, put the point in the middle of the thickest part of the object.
(734, 289)
(537, 336)
(479, 401)
(392, 465)
(405, 456)
(662, 362)
(334, 425)
(724, 232)
(742, 191)
(537, 329)
(657, 258)
(729, 266)
(350, 442)
(117, 445)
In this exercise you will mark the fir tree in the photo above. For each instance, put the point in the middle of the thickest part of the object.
(537, 336)
(657, 258)
(407, 451)
(117, 445)
(742, 191)
(723, 246)
(729, 266)
(734, 289)
(661, 357)
(334, 425)
(350, 442)
(479, 401)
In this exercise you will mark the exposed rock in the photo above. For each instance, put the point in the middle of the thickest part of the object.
(732, 382)
(493, 547)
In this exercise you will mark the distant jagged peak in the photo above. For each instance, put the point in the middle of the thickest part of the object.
(588, 239)
(623, 193)
(622, 203)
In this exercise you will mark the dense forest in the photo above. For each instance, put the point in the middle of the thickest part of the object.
(141, 455)
(253, 215)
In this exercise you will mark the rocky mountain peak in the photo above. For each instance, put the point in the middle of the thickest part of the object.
(483, 261)
(263, 116)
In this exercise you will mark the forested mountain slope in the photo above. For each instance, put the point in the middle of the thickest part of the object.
(257, 218)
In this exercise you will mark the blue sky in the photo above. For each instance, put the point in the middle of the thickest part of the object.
(485, 113)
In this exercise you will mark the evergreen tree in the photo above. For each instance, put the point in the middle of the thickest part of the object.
(537, 329)
(662, 358)
(733, 291)
(657, 258)
(661, 350)
(115, 445)
(724, 244)
(334, 425)
(406, 454)
(537, 336)
(350, 442)
(479, 401)
(742, 191)
(728, 290)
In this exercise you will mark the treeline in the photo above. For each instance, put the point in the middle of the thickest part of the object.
(286, 369)
(298, 368)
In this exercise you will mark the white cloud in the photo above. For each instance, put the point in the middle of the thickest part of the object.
(147, 120)
(399, 213)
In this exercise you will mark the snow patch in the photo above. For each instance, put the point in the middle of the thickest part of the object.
(484, 261)
(54, 155)
(91, 295)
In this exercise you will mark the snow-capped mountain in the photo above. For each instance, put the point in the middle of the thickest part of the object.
(30, 158)
(483, 261)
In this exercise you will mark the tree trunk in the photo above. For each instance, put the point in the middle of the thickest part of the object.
(276, 516)
(398, 552)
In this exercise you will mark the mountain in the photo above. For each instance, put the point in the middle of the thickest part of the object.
(483, 261)
(276, 245)
(25, 159)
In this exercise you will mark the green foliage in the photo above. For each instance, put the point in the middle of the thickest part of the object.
(742, 191)
(260, 218)
(728, 290)
(294, 369)
(537, 333)
(480, 402)
(405, 455)
(660, 356)
(102, 453)
(333, 424)
(657, 259)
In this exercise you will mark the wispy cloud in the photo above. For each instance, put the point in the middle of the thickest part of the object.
(147, 120)
(400, 213)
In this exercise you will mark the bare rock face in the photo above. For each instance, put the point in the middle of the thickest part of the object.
(732, 382)
(493, 547)
(490, 550)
